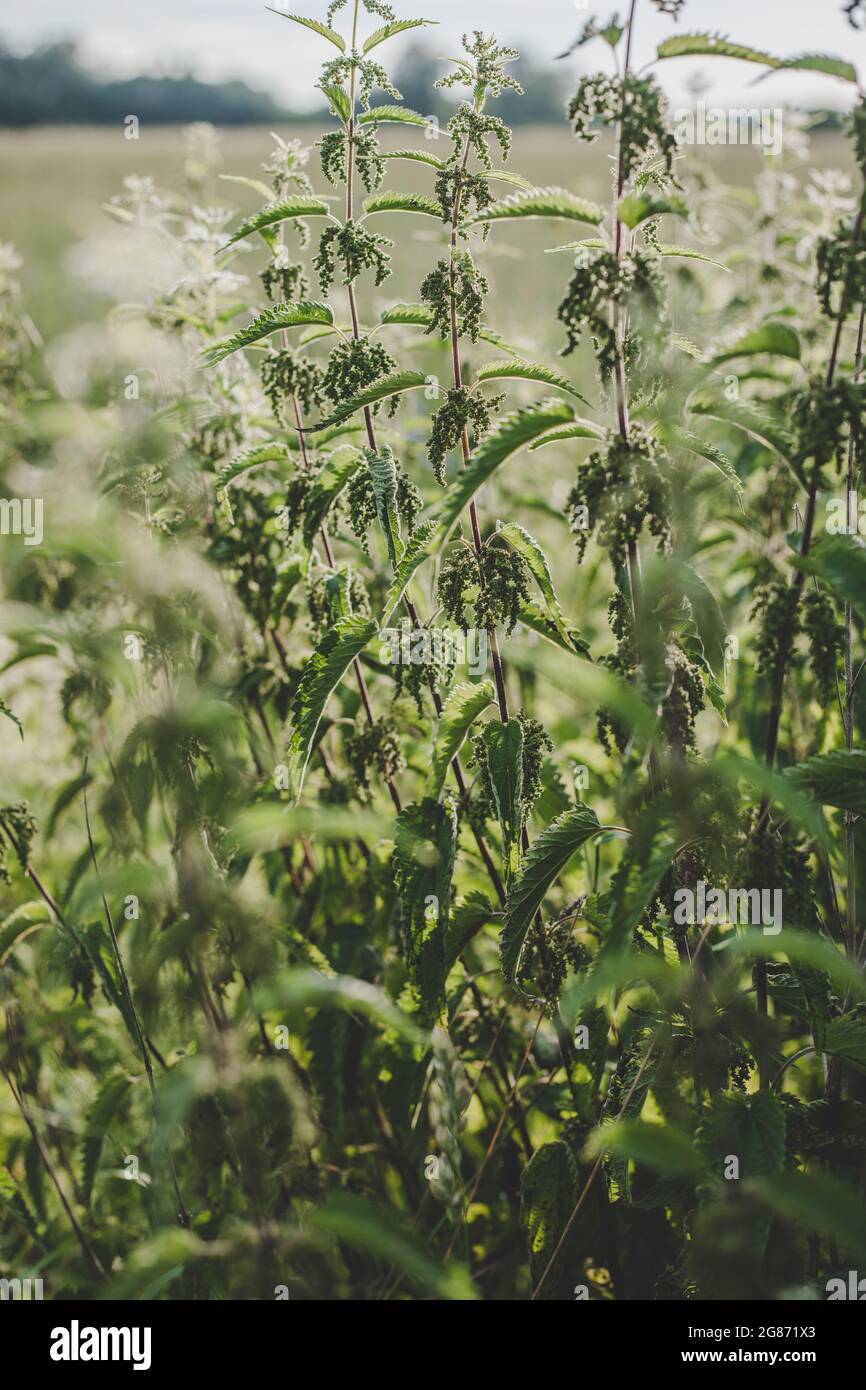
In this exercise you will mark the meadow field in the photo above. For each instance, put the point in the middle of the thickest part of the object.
(56, 181)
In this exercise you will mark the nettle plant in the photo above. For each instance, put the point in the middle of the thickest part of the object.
(778, 842)
(373, 995)
(699, 1050)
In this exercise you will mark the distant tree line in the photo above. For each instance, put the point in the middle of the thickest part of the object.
(50, 87)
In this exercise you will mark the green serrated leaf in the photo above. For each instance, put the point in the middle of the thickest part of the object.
(504, 745)
(459, 712)
(419, 547)
(392, 201)
(542, 202)
(400, 115)
(837, 778)
(357, 1222)
(338, 649)
(418, 315)
(257, 185)
(777, 339)
(512, 433)
(644, 864)
(839, 561)
(316, 25)
(388, 31)
(272, 320)
(660, 1147)
(12, 1197)
(337, 594)
(816, 62)
(543, 863)
(330, 482)
(21, 922)
(687, 346)
(289, 575)
(285, 211)
(818, 1202)
(668, 580)
(690, 254)
(592, 243)
(253, 458)
(383, 472)
(581, 429)
(749, 1128)
(527, 546)
(713, 45)
(508, 176)
(110, 1096)
(638, 207)
(393, 385)
(516, 369)
(535, 618)
(549, 1190)
(419, 156)
(468, 917)
(757, 420)
(845, 1037)
(714, 455)
(425, 845)
(801, 948)
(298, 990)
(338, 100)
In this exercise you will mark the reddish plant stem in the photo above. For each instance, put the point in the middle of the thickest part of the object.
(795, 593)
(799, 579)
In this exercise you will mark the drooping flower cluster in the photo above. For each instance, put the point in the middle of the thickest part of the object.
(495, 583)
(356, 249)
(602, 282)
(638, 105)
(618, 489)
(464, 409)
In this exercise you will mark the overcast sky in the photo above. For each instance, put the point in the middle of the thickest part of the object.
(239, 38)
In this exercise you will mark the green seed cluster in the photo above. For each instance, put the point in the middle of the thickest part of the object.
(485, 66)
(824, 417)
(375, 748)
(619, 488)
(376, 7)
(683, 701)
(623, 662)
(826, 639)
(289, 376)
(284, 280)
(499, 575)
(476, 127)
(841, 265)
(639, 105)
(354, 365)
(18, 826)
(547, 958)
(776, 608)
(599, 283)
(356, 249)
(369, 75)
(432, 665)
(466, 290)
(464, 408)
